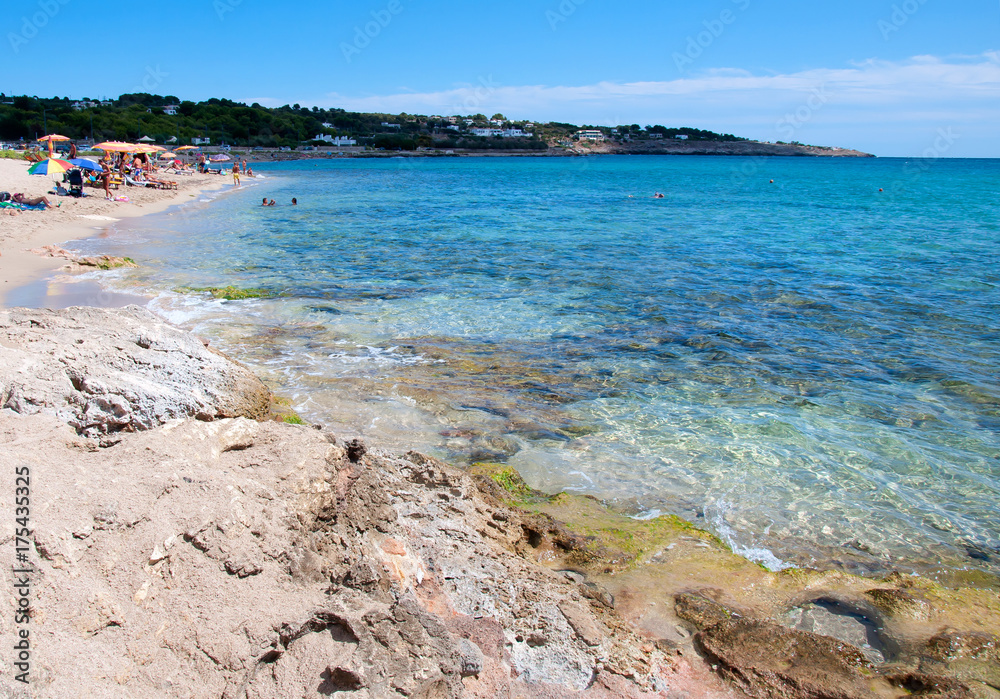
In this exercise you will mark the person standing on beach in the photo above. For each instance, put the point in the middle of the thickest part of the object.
(106, 177)
(236, 174)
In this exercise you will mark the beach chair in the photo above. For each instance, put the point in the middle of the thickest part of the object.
(164, 184)
(135, 183)
(75, 180)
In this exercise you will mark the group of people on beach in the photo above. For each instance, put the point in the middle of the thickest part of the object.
(240, 167)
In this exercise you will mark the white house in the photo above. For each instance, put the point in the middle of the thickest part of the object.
(453, 127)
(335, 141)
(327, 125)
(196, 141)
(170, 109)
(681, 136)
(80, 106)
(387, 125)
(503, 133)
(590, 135)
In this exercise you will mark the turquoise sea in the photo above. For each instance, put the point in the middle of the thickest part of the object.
(809, 368)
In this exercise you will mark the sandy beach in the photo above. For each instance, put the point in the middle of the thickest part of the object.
(21, 232)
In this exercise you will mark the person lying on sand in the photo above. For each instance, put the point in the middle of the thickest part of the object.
(31, 201)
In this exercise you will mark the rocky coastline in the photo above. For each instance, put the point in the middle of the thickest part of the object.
(189, 542)
(757, 149)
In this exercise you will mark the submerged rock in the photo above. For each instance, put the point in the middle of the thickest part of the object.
(772, 662)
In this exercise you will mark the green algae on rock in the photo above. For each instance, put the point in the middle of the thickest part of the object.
(105, 262)
(230, 293)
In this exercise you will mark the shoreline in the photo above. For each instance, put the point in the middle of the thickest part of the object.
(660, 590)
(82, 293)
(314, 545)
(73, 219)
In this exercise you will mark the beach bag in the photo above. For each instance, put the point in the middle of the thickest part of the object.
(4, 196)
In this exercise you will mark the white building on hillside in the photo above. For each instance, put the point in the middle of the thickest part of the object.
(335, 141)
(590, 135)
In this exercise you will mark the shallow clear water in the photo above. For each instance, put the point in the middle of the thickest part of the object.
(808, 368)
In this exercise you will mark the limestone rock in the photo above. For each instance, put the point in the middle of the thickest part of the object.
(235, 559)
(122, 369)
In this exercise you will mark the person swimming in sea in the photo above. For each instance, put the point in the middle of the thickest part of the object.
(295, 201)
(657, 195)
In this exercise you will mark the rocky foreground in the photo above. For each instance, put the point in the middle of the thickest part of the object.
(186, 547)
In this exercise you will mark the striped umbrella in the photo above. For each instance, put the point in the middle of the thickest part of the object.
(116, 147)
(50, 166)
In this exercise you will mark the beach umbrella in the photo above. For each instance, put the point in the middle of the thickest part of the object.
(85, 164)
(53, 137)
(168, 154)
(219, 157)
(187, 148)
(50, 166)
(115, 147)
(146, 139)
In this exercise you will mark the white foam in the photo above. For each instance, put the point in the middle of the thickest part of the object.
(757, 554)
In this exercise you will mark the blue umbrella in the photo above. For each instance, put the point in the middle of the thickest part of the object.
(85, 164)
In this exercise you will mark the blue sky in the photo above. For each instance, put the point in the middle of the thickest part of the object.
(886, 76)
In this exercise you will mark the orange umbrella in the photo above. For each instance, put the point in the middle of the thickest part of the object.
(148, 149)
(53, 137)
(187, 148)
(116, 147)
